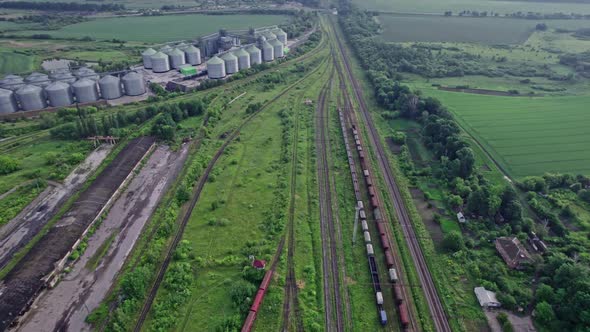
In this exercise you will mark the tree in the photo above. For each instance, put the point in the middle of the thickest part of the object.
(541, 26)
(584, 195)
(453, 241)
(544, 313)
(467, 162)
(241, 294)
(484, 201)
(545, 293)
(455, 201)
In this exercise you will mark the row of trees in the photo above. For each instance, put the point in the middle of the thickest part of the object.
(62, 6)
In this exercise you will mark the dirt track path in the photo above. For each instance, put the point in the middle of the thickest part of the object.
(66, 306)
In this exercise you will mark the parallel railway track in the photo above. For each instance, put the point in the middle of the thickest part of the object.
(332, 297)
(196, 194)
(434, 303)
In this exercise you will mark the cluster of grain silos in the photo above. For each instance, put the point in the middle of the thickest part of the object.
(171, 57)
(61, 89)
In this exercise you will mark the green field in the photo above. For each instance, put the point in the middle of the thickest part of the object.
(502, 7)
(157, 29)
(11, 62)
(527, 136)
(489, 30)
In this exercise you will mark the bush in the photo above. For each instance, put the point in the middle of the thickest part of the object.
(8, 165)
(453, 241)
(504, 322)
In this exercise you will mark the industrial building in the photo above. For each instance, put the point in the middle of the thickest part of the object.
(63, 88)
(182, 64)
(228, 52)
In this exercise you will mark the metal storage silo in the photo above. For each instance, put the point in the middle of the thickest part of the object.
(277, 47)
(255, 55)
(176, 58)
(268, 35)
(85, 90)
(85, 72)
(281, 35)
(160, 63)
(65, 77)
(31, 97)
(267, 51)
(166, 49)
(181, 46)
(216, 68)
(231, 63)
(59, 94)
(12, 82)
(7, 102)
(110, 87)
(134, 84)
(147, 57)
(243, 58)
(193, 55)
(38, 79)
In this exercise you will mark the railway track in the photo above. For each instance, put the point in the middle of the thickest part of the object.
(332, 297)
(438, 314)
(197, 192)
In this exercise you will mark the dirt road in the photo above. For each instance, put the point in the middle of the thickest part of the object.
(66, 306)
(19, 231)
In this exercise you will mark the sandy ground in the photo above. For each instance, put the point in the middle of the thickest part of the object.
(66, 306)
(17, 232)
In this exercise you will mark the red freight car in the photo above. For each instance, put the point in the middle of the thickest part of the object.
(389, 259)
(257, 300)
(374, 202)
(380, 228)
(266, 280)
(247, 327)
(403, 316)
(372, 191)
(397, 294)
(384, 242)
(362, 155)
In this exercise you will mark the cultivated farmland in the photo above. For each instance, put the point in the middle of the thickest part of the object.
(527, 136)
(157, 29)
(490, 30)
(502, 7)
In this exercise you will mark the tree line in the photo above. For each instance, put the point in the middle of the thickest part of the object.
(62, 6)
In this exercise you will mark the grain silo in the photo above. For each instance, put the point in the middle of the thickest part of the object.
(160, 63)
(281, 35)
(268, 35)
(65, 77)
(110, 87)
(166, 49)
(277, 47)
(85, 72)
(7, 102)
(38, 79)
(12, 82)
(146, 56)
(181, 46)
(243, 59)
(193, 55)
(59, 94)
(176, 58)
(85, 90)
(231, 63)
(267, 51)
(31, 97)
(134, 84)
(255, 55)
(216, 68)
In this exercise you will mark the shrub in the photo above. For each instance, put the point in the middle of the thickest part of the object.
(8, 165)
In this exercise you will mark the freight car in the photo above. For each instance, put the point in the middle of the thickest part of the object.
(403, 316)
(247, 327)
(397, 294)
(393, 275)
(384, 242)
(389, 259)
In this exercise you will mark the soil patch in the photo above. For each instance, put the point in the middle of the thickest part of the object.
(395, 148)
(27, 278)
(427, 211)
(486, 92)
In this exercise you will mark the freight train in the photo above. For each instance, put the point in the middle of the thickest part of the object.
(381, 229)
(247, 327)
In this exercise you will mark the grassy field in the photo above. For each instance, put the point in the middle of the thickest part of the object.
(502, 7)
(489, 30)
(11, 62)
(158, 29)
(527, 136)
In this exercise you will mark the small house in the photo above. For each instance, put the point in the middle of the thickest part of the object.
(259, 264)
(461, 218)
(487, 299)
(512, 252)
